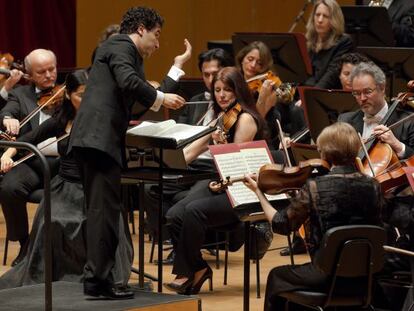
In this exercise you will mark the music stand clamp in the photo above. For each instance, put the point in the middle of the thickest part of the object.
(368, 26)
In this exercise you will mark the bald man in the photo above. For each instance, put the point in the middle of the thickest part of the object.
(20, 182)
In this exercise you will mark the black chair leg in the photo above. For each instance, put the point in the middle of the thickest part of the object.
(6, 248)
(132, 221)
(152, 250)
(217, 252)
(256, 255)
(226, 257)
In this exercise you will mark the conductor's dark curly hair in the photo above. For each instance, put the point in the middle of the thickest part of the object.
(137, 16)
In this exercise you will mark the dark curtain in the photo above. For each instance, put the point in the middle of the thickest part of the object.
(26, 25)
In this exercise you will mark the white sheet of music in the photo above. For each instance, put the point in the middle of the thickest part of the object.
(237, 164)
(167, 129)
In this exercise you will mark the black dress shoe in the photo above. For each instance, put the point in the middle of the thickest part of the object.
(169, 260)
(298, 247)
(108, 292)
(22, 253)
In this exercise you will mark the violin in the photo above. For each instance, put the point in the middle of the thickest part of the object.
(6, 64)
(50, 99)
(276, 178)
(284, 91)
(228, 119)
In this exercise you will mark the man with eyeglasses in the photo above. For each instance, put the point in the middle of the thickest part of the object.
(368, 88)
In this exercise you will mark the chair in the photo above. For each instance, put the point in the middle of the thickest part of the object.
(354, 251)
(35, 197)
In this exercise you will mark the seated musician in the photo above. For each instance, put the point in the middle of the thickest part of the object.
(189, 219)
(346, 63)
(342, 197)
(368, 87)
(209, 63)
(67, 210)
(19, 183)
(8, 84)
(326, 42)
(256, 59)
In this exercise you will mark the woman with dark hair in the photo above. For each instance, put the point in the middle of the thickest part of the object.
(256, 59)
(67, 209)
(189, 219)
(326, 42)
(346, 63)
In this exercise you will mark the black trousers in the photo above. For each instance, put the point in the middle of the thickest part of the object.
(188, 222)
(16, 187)
(101, 178)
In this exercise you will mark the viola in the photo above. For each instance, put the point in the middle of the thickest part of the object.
(6, 64)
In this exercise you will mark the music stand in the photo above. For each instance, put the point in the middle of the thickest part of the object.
(368, 26)
(290, 57)
(397, 64)
(322, 107)
(303, 152)
(221, 44)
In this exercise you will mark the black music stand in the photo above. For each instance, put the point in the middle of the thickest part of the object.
(397, 64)
(303, 152)
(322, 107)
(221, 44)
(368, 26)
(291, 60)
(160, 175)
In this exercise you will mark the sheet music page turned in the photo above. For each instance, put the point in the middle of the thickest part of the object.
(237, 164)
(167, 129)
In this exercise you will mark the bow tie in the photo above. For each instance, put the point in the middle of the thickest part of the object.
(371, 120)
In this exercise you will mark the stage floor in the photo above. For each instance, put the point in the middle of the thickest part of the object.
(69, 296)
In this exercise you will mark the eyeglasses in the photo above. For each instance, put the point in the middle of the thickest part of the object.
(366, 92)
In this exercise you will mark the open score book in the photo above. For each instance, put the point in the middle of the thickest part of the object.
(236, 160)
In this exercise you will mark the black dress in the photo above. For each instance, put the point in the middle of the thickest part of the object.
(68, 227)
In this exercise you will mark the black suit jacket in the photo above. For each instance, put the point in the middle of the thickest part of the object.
(116, 82)
(21, 101)
(193, 113)
(325, 64)
(401, 14)
(404, 132)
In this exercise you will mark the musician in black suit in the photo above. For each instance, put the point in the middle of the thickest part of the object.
(209, 63)
(368, 88)
(19, 183)
(115, 83)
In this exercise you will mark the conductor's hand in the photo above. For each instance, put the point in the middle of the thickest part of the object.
(180, 60)
(6, 163)
(12, 126)
(173, 101)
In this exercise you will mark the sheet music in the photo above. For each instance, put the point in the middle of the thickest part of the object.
(237, 164)
(167, 129)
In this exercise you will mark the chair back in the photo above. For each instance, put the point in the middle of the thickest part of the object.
(351, 251)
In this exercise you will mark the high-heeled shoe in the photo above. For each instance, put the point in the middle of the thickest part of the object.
(182, 289)
(208, 274)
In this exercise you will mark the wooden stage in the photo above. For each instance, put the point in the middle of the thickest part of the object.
(69, 296)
